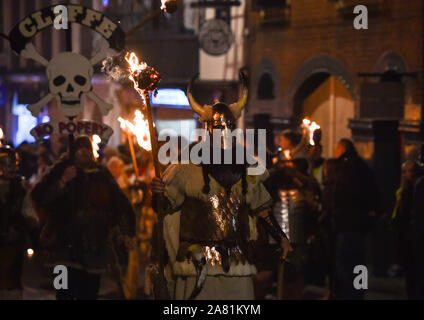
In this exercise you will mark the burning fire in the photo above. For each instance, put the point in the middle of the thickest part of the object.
(144, 78)
(168, 6)
(1, 136)
(140, 128)
(95, 140)
(30, 253)
(312, 126)
(135, 67)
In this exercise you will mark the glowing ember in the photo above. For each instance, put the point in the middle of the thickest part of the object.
(140, 128)
(312, 126)
(30, 252)
(95, 140)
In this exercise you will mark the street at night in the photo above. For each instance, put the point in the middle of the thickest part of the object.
(172, 151)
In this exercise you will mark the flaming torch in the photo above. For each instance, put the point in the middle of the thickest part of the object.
(314, 131)
(95, 140)
(311, 135)
(140, 129)
(168, 6)
(146, 80)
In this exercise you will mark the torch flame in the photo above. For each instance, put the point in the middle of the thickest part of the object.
(95, 140)
(311, 126)
(306, 122)
(1, 136)
(135, 68)
(140, 128)
(169, 6)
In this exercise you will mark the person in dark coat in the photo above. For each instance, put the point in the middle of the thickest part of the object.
(27, 160)
(15, 228)
(402, 218)
(81, 208)
(355, 203)
(296, 197)
(327, 223)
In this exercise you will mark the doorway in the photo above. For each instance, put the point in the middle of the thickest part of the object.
(324, 99)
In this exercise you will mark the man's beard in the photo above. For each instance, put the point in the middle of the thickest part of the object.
(227, 174)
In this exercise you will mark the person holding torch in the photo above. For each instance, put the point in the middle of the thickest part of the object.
(211, 213)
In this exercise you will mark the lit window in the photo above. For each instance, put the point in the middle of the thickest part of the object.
(170, 97)
(25, 123)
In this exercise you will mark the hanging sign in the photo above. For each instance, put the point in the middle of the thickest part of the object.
(81, 127)
(69, 73)
(216, 37)
(37, 21)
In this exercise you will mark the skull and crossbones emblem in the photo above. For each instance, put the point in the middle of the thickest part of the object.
(69, 76)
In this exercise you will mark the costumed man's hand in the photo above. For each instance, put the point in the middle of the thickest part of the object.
(157, 185)
(285, 244)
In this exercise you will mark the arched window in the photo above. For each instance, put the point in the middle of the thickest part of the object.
(266, 87)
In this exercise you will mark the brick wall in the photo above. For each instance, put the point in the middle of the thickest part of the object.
(316, 28)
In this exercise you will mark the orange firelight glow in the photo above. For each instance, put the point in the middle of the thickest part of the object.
(140, 128)
(1, 136)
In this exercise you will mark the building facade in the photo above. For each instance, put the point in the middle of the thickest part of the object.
(305, 58)
(167, 43)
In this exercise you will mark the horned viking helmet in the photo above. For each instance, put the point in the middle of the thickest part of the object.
(219, 114)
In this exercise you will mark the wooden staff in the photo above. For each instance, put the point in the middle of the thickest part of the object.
(156, 164)
(153, 141)
(170, 7)
(133, 158)
(142, 23)
(131, 287)
(5, 37)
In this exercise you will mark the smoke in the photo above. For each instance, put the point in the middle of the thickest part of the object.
(116, 68)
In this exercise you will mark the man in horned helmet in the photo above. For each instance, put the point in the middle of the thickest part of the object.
(211, 214)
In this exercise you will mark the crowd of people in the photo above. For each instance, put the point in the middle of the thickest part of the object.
(333, 205)
(75, 210)
(95, 216)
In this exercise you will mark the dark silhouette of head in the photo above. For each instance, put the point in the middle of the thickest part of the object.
(345, 146)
